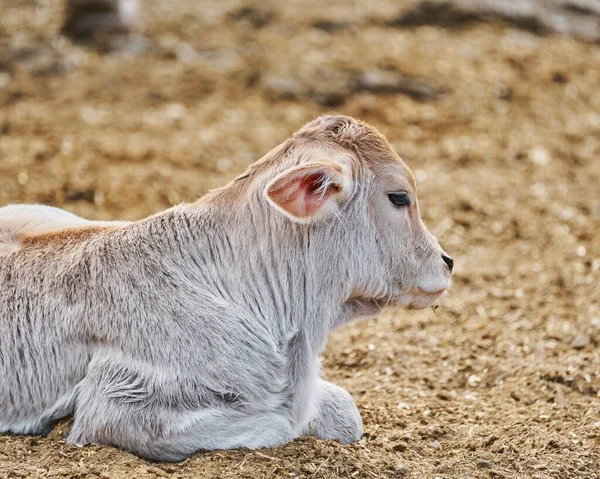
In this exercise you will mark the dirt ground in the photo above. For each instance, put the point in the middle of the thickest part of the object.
(501, 127)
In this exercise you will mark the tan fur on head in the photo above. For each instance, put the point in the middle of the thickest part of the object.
(346, 132)
(356, 136)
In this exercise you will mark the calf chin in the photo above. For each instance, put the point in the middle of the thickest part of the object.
(358, 308)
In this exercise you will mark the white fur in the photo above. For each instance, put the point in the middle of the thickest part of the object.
(201, 327)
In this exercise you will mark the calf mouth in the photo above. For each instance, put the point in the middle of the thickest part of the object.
(420, 299)
(413, 299)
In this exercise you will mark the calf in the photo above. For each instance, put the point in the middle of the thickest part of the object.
(201, 327)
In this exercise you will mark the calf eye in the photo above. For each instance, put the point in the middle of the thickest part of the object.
(400, 198)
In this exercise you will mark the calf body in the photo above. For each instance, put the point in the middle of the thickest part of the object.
(201, 327)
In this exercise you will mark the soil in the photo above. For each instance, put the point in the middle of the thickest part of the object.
(501, 126)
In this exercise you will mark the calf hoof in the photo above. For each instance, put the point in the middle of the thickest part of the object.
(338, 416)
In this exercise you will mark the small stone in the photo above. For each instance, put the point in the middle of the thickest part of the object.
(436, 445)
(173, 197)
(379, 81)
(539, 156)
(473, 380)
(95, 18)
(580, 341)
(256, 15)
(99, 198)
(497, 228)
(401, 471)
(282, 87)
(175, 111)
(4, 80)
(559, 77)
(483, 464)
(66, 148)
(23, 178)
(503, 92)
(330, 26)
(385, 81)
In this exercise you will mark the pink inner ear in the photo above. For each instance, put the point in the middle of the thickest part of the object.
(299, 197)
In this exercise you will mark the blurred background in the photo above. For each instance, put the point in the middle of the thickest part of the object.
(116, 111)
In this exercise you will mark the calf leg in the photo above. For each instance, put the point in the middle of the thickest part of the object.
(218, 429)
(126, 415)
(173, 436)
(336, 415)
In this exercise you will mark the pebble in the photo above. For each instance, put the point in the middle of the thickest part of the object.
(23, 178)
(4, 80)
(384, 81)
(539, 156)
(379, 80)
(401, 471)
(175, 111)
(580, 341)
(283, 87)
(483, 464)
(256, 15)
(473, 380)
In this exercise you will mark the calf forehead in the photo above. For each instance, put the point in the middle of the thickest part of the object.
(389, 165)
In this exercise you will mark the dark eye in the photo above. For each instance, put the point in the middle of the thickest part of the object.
(400, 198)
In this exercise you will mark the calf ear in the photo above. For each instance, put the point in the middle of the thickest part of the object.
(308, 192)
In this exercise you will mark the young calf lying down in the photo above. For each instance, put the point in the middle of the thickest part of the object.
(201, 327)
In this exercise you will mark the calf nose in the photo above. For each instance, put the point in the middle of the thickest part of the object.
(449, 262)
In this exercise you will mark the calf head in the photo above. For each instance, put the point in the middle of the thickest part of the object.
(340, 177)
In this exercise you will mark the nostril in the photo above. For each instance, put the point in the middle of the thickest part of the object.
(449, 262)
